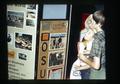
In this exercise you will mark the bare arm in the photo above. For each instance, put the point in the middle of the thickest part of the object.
(82, 67)
(94, 54)
(95, 63)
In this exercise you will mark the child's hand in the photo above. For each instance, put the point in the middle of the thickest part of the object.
(77, 67)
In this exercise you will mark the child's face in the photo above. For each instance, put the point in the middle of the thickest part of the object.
(89, 35)
(90, 23)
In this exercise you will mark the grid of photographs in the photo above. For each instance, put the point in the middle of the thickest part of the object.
(31, 15)
(17, 19)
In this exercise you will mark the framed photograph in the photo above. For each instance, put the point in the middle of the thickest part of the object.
(23, 41)
(30, 22)
(22, 56)
(55, 73)
(59, 26)
(15, 19)
(57, 41)
(56, 58)
(31, 14)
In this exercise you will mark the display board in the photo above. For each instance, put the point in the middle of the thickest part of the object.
(52, 49)
(22, 27)
(53, 42)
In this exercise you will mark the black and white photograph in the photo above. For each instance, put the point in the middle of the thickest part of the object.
(31, 6)
(15, 19)
(23, 41)
(56, 58)
(22, 56)
(30, 22)
(57, 41)
(30, 14)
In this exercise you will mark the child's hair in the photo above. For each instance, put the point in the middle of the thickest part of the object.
(99, 17)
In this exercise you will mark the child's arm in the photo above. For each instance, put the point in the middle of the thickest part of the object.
(82, 67)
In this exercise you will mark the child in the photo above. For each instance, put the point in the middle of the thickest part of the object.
(84, 46)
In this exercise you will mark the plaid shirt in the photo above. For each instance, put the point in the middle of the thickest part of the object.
(98, 46)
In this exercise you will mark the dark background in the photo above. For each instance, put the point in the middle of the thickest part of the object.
(78, 7)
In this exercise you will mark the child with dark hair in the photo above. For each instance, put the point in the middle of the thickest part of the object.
(95, 22)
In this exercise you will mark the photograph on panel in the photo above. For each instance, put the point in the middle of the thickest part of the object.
(57, 41)
(31, 6)
(30, 14)
(56, 58)
(15, 19)
(55, 73)
(23, 41)
(30, 22)
(60, 26)
(22, 56)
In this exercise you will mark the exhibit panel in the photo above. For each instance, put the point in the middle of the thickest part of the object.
(53, 42)
(22, 28)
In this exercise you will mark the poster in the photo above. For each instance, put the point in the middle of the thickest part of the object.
(22, 27)
(52, 49)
